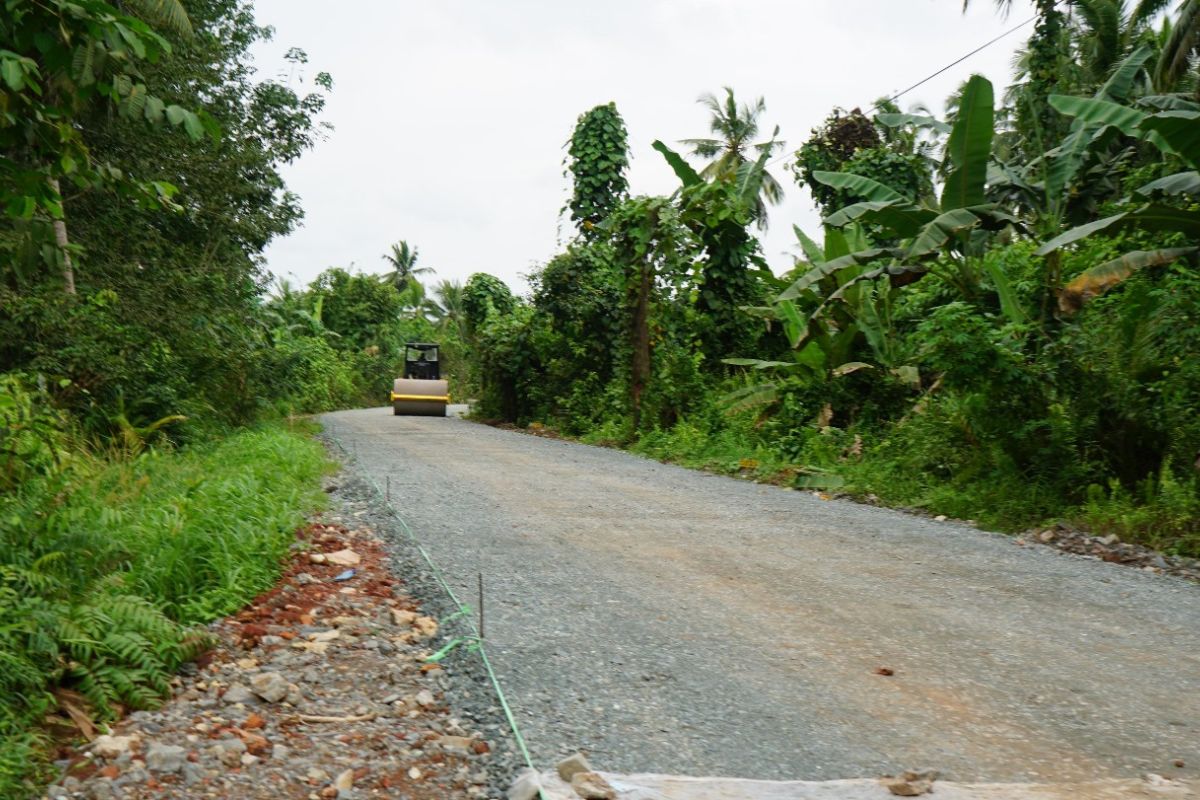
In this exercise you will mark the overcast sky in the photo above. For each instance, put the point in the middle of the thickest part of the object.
(450, 117)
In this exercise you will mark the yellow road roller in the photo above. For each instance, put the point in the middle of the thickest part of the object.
(421, 392)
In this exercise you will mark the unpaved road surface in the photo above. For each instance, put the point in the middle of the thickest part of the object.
(664, 620)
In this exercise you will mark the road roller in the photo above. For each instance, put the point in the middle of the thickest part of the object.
(421, 392)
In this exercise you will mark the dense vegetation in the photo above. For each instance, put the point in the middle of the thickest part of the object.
(140, 355)
(999, 320)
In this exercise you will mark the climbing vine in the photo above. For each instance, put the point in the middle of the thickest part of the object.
(597, 158)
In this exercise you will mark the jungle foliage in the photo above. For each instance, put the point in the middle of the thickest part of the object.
(997, 322)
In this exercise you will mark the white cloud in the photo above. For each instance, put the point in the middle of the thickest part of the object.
(450, 117)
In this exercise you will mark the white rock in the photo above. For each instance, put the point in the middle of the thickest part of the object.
(270, 686)
(425, 698)
(343, 558)
(571, 765)
(165, 758)
(527, 786)
(112, 746)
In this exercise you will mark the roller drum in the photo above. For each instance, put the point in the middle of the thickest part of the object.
(412, 397)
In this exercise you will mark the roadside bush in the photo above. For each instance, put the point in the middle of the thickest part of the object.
(104, 566)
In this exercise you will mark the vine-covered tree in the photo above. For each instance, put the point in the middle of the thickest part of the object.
(597, 157)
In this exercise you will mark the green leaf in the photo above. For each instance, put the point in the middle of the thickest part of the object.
(812, 251)
(757, 363)
(866, 188)
(822, 271)
(1120, 83)
(1181, 183)
(683, 170)
(749, 397)
(1179, 130)
(1099, 279)
(970, 146)
(154, 109)
(13, 75)
(851, 366)
(1099, 112)
(191, 124)
(900, 217)
(1009, 304)
(1150, 217)
(916, 120)
(937, 234)
(176, 114)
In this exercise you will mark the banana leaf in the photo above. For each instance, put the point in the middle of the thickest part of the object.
(969, 147)
(866, 188)
(1099, 279)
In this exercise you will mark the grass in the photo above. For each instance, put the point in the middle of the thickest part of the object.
(106, 564)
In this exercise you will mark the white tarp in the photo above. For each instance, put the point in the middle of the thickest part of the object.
(672, 787)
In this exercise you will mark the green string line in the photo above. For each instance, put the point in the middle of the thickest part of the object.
(441, 579)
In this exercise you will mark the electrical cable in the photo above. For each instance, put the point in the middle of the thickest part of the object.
(933, 75)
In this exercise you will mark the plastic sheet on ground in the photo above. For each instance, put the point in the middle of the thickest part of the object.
(673, 787)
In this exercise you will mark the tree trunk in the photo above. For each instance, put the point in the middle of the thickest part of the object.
(60, 239)
(640, 372)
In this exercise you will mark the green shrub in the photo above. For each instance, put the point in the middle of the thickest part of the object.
(105, 566)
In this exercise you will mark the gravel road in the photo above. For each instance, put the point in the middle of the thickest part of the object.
(665, 620)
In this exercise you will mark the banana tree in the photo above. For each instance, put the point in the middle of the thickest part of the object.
(934, 236)
(1071, 179)
(1175, 131)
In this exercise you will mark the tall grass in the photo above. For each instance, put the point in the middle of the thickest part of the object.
(105, 566)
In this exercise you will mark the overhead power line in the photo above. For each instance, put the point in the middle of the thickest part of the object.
(933, 75)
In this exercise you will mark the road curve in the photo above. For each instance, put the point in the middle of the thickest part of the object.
(665, 620)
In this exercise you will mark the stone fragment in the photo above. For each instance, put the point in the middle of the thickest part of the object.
(427, 627)
(458, 745)
(112, 746)
(229, 751)
(590, 786)
(1046, 536)
(401, 617)
(910, 783)
(248, 759)
(526, 786)
(425, 698)
(270, 686)
(345, 781)
(343, 558)
(414, 773)
(280, 752)
(165, 758)
(572, 764)
(294, 696)
(316, 558)
(238, 694)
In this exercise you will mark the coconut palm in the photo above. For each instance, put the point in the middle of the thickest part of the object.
(448, 296)
(404, 265)
(736, 127)
(1180, 46)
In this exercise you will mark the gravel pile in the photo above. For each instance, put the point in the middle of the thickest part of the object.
(319, 689)
(1111, 549)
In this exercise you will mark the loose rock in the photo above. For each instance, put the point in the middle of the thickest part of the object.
(270, 686)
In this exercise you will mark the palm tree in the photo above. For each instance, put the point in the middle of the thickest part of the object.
(1182, 42)
(449, 299)
(404, 265)
(736, 127)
